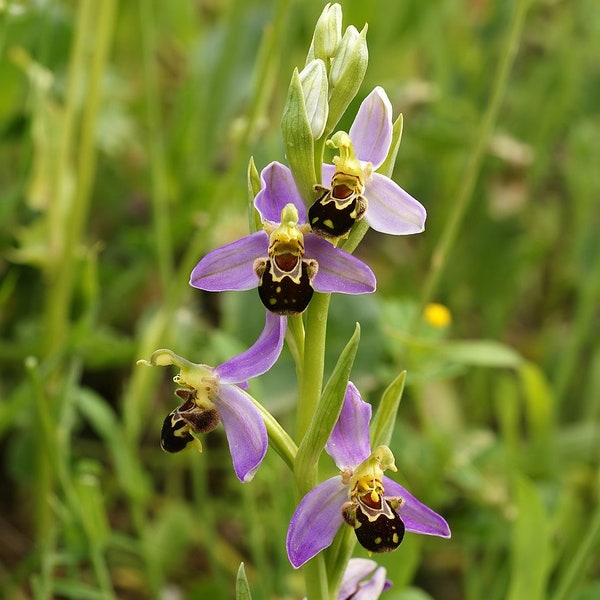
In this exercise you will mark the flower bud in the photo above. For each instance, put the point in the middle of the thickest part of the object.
(328, 34)
(313, 79)
(347, 72)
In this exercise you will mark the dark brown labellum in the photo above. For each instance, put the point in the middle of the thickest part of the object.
(384, 534)
(176, 430)
(285, 295)
(202, 420)
(329, 219)
(175, 435)
(377, 526)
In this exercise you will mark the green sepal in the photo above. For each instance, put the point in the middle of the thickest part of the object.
(347, 73)
(387, 167)
(242, 589)
(383, 423)
(254, 219)
(298, 140)
(326, 416)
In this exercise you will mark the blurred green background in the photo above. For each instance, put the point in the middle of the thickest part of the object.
(125, 134)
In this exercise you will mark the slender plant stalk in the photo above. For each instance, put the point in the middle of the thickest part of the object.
(577, 564)
(443, 249)
(311, 384)
(95, 21)
(160, 201)
(315, 578)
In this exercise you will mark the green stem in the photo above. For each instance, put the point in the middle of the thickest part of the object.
(444, 247)
(315, 578)
(295, 342)
(46, 448)
(309, 394)
(95, 21)
(161, 221)
(311, 384)
(337, 557)
(566, 586)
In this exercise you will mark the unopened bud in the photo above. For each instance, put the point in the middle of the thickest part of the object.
(315, 87)
(347, 72)
(328, 33)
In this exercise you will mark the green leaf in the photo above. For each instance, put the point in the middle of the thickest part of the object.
(91, 504)
(77, 590)
(326, 415)
(539, 405)
(530, 552)
(383, 423)
(485, 353)
(104, 422)
(242, 589)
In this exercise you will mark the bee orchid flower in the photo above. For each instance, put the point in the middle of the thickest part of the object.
(214, 394)
(352, 188)
(285, 260)
(379, 509)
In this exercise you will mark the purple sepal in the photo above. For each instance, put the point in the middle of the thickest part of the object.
(260, 357)
(230, 267)
(391, 209)
(371, 131)
(363, 579)
(349, 444)
(316, 521)
(338, 271)
(417, 517)
(245, 430)
(278, 189)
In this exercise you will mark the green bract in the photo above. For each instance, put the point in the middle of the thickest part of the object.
(298, 139)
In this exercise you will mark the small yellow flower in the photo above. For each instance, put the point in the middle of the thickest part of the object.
(437, 315)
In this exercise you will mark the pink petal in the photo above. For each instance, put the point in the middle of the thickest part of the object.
(363, 579)
(260, 357)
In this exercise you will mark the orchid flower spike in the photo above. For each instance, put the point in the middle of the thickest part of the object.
(214, 394)
(352, 187)
(379, 509)
(285, 261)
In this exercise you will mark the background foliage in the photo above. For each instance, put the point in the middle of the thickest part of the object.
(125, 131)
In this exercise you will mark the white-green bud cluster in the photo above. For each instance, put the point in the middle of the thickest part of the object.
(319, 95)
